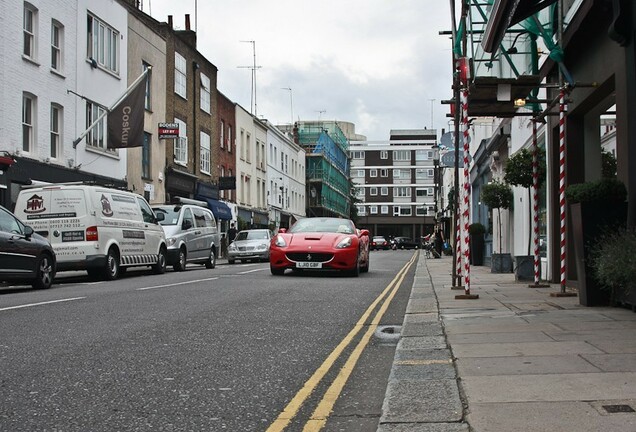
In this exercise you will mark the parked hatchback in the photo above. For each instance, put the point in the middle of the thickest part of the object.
(250, 245)
(24, 255)
(406, 243)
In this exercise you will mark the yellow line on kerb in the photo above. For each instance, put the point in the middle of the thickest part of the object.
(321, 414)
(292, 408)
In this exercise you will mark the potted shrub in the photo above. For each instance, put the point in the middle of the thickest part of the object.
(613, 268)
(476, 232)
(596, 208)
(498, 195)
(518, 172)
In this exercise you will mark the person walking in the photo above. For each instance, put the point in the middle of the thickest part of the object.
(231, 233)
(439, 242)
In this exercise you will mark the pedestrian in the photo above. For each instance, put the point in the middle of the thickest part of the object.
(231, 233)
(439, 242)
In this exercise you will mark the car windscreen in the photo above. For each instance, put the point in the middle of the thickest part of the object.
(328, 225)
(251, 235)
(171, 214)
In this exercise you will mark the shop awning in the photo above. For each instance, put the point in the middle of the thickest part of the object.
(220, 209)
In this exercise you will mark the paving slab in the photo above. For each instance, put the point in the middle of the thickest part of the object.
(417, 401)
(523, 336)
(526, 365)
(549, 387)
(523, 349)
(423, 427)
(612, 362)
(422, 342)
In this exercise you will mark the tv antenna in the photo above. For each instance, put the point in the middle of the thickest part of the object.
(253, 109)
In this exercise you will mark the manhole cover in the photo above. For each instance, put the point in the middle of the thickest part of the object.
(612, 409)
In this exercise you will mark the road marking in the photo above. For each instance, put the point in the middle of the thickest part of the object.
(41, 303)
(176, 284)
(252, 271)
(323, 410)
(292, 408)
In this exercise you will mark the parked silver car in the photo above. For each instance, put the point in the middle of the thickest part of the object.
(250, 245)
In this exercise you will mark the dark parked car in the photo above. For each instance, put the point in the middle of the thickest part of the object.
(24, 255)
(406, 243)
(379, 242)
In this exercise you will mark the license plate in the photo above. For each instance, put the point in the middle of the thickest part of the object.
(308, 265)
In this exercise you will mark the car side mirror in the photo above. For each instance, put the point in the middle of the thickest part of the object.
(187, 224)
(28, 231)
(160, 217)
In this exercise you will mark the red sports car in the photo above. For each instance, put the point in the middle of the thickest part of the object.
(320, 243)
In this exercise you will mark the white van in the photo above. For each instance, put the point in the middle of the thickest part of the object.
(192, 233)
(103, 231)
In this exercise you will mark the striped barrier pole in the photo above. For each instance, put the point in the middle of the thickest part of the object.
(535, 200)
(466, 196)
(458, 242)
(562, 182)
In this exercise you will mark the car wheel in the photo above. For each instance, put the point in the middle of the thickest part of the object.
(277, 271)
(231, 261)
(111, 271)
(160, 266)
(181, 263)
(44, 273)
(211, 262)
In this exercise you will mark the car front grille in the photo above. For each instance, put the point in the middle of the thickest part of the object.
(309, 257)
(246, 248)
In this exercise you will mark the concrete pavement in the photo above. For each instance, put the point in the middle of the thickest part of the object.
(516, 359)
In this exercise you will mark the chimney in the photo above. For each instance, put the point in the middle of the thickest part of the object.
(187, 19)
(170, 21)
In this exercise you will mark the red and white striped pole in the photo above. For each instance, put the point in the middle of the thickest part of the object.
(562, 181)
(458, 240)
(535, 200)
(466, 196)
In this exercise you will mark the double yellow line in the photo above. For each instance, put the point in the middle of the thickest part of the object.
(323, 410)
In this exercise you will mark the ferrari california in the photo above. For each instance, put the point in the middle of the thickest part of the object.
(320, 243)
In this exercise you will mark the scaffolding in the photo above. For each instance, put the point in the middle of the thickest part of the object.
(327, 168)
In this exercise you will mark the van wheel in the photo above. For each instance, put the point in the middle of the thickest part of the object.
(211, 262)
(111, 271)
(160, 266)
(44, 273)
(180, 265)
(230, 261)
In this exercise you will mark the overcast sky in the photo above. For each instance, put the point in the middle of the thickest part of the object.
(375, 63)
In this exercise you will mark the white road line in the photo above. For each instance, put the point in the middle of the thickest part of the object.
(252, 271)
(177, 283)
(41, 303)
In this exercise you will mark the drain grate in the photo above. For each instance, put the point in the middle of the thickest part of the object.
(613, 409)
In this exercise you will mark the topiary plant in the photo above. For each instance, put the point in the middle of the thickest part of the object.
(497, 195)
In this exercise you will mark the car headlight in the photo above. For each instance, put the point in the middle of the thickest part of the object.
(344, 243)
(171, 241)
(231, 247)
(280, 242)
(262, 247)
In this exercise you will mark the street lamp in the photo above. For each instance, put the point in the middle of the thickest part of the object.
(435, 149)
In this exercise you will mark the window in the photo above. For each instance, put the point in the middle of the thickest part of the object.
(29, 27)
(97, 135)
(358, 155)
(373, 172)
(401, 174)
(384, 154)
(420, 211)
(57, 31)
(421, 192)
(421, 173)
(205, 93)
(384, 209)
(222, 133)
(28, 121)
(384, 190)
(421, 155)
(145, 156)
(180, 74)
(205, 152)
(403, 192)
(229, 139)
(384, 172)
(359, 173)
(56, 130)
(248, 147)
(144, 68)
(406, 211)
(373, 191)
(362, 210)
(373, 209)
(102, 44)
(401, 155)
(181, 144)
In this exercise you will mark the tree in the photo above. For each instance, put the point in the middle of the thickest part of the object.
(518, 172)
(497, 195)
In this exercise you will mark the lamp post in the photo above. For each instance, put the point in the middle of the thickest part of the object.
(435, 149)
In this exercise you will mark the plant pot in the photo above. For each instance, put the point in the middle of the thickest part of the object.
(589, 221)
(501, 263)
(477, 249)
(524, 268)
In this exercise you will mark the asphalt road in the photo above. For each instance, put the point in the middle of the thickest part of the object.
(229, 349)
